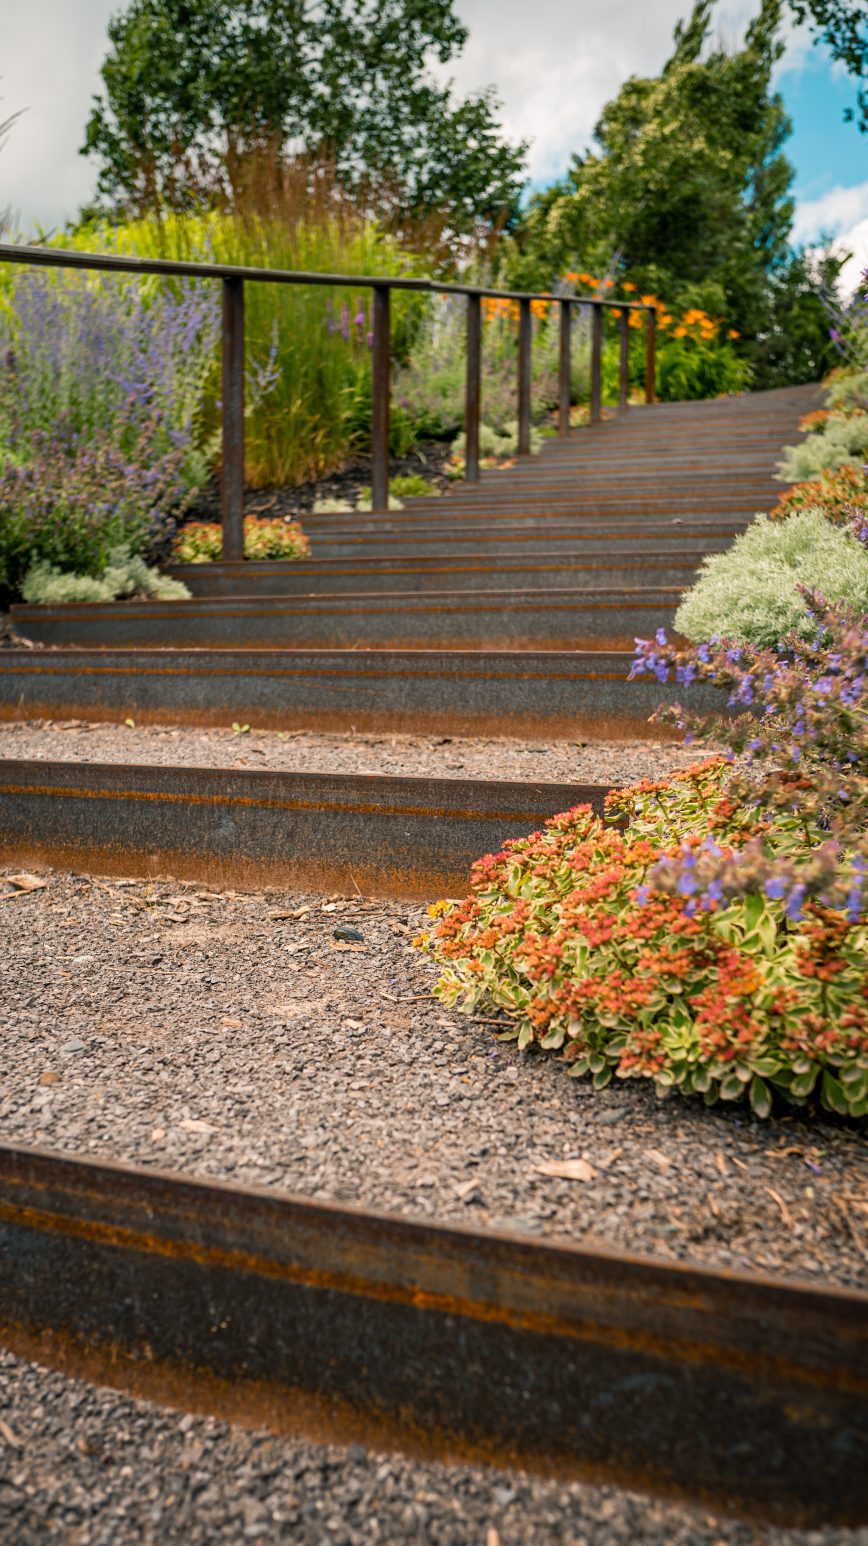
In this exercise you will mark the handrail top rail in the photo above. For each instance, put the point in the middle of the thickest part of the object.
(117, 263)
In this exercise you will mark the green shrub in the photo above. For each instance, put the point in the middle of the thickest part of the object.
(125, 574)
(847, 389)
(492, 443)
(841, 439)
(564, 939)
(412, 486)
(749, 593)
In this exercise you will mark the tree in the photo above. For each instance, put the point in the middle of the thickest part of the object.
(689, 189)
(843, 26)
(192, 89)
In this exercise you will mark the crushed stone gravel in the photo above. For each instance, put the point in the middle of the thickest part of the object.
(90, 1467)
(594, 762)
(216, 1034)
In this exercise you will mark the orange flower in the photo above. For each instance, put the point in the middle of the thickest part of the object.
(649, 300)
(628, 286)
(608, 283)
(734, 333)
(615, 311)
(680, 332)
(586, 279)
(636, 319)
(571, 278)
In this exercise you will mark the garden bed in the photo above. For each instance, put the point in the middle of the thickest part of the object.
(220, 1035)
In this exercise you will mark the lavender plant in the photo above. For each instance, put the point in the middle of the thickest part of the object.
(90, 356)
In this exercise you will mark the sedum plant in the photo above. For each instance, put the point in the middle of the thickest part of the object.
(125, 574)
(201, 542)
(750, 593)
(566, 936)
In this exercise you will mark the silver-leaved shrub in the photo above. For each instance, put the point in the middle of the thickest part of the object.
(750, 595)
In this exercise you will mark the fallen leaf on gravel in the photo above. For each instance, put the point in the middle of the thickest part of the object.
(662, 1161)
(158, 1135)
(465, 1191)
(721, 1162)
(24, 883)
(567, 1170)
(231, 1024)
(279, 917)
(49, 1077)
(194, 1125)
(784, 1210)
(337, 945)
(11, 1438)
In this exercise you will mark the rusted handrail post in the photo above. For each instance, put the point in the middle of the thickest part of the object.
(564, 370)
(380, 402)
(524, 341)
(232, 412)
(471, 399)
(651, 355)
(624, 360)
(596, 362)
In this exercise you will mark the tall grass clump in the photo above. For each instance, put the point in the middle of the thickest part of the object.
(308, 347)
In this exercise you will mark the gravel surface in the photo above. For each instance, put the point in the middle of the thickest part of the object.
(591, 762)
(84, 1465)
(166, 1025)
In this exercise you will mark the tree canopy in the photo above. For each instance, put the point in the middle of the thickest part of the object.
(688, 188)
(193, 88)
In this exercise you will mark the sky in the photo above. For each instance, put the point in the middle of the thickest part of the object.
(554, 65)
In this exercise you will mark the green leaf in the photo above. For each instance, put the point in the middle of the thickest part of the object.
(760, 1097)
(603, 1077)
(525, 1037)
(832, 1094)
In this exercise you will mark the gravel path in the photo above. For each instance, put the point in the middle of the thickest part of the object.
(87, 1466)
(169, 1026)
(597, 762)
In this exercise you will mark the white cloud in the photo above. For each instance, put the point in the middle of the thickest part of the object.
(854, 241)
(833, 213)
(843, 214)
(52, 50)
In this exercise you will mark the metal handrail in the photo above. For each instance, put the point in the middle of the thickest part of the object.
(233, 278)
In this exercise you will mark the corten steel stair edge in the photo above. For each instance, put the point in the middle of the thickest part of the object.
(379, 835)
(562, 695)
(740, 1393)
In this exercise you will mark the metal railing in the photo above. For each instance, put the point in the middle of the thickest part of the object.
(233, 278)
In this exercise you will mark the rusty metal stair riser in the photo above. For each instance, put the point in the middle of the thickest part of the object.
(743, 1394)
(564, 696)
(391, 837)
(506, 620)
(320, 576)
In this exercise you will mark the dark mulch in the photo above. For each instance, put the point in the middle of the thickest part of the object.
(427, 460)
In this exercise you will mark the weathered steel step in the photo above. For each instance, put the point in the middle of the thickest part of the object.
(476, 572)
(493, 619)
(741, 1393)
(567, 695)
(325, 832)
